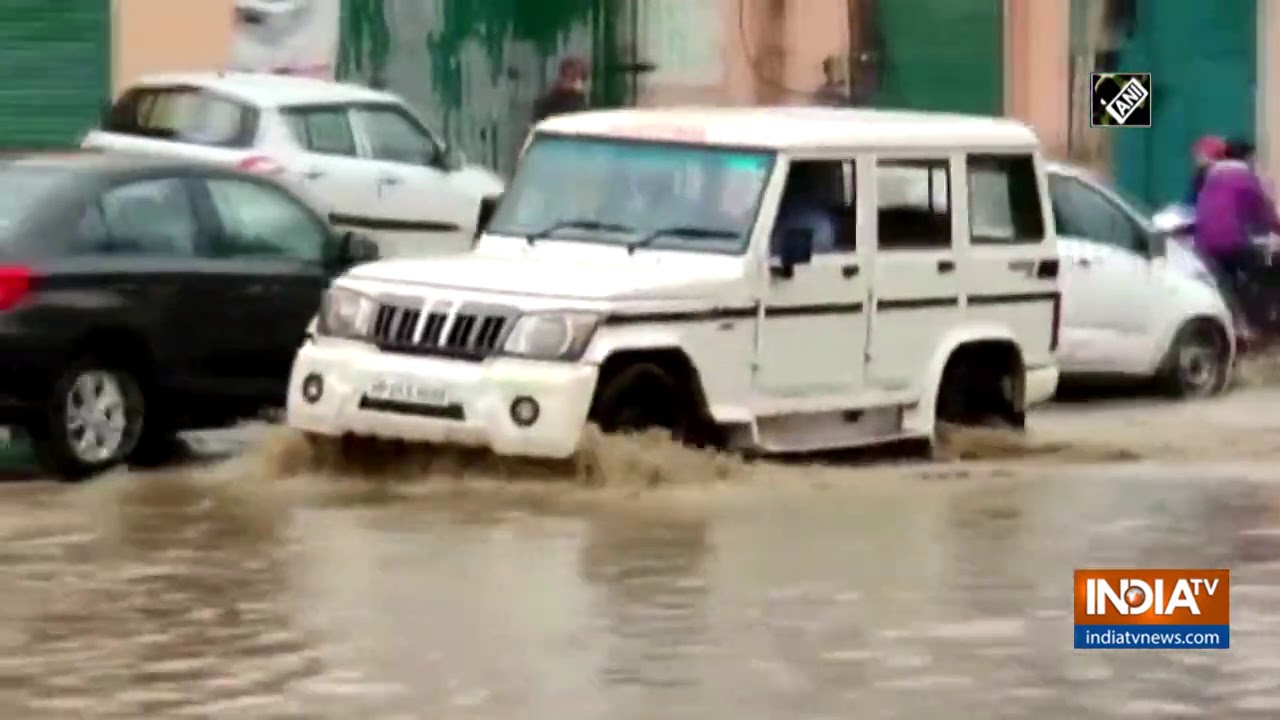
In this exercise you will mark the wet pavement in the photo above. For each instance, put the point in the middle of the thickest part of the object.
(660, 584)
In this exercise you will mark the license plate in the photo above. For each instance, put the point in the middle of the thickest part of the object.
(406, 391)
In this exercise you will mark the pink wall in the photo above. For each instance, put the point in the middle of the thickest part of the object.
(149, 36)
(1037, 68)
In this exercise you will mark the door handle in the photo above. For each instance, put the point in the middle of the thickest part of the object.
(1083, 262)
(257, 289)
(313, 174)
(849, 271)
(946, 266)
(389, 180)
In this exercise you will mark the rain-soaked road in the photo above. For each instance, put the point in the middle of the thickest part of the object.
(653, 583)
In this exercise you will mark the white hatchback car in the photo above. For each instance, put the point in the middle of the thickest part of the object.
(1136, 303)
(361, 155)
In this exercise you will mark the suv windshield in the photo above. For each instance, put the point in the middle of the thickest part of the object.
(183, 114)
(623, 192)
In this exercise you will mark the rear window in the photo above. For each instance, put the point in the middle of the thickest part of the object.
(22, 190)
(188, 115)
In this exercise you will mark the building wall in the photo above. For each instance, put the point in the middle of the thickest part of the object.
(1037, 67)
(1268, 101)
(724, 51)
(149, 36)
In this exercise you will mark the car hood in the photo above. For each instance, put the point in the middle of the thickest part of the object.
(580, 272)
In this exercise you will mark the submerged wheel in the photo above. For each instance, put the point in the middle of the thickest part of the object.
(639, 397)
(1198, 361)
(92, 420)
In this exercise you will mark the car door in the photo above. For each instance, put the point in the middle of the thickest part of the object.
(814, 327)
(420, 210)
(328, 167)
(272, 253)
(1108, 281)
(915, 286)
(141, 238)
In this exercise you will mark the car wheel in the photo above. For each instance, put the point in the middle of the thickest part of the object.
(1197, 362)
(92, 420)
(640, 397)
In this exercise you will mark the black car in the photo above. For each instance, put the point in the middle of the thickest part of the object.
(140, 298)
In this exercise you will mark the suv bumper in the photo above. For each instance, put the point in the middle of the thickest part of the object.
(1040, 385)
(472, 403)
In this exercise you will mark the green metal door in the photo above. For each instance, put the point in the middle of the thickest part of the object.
(474, 68)
(55, 70)
(942, 55)
(1203, 61)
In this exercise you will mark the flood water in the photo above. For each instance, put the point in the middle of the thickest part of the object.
(650, 582)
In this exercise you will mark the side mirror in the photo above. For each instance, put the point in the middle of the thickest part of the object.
(355, 248)
(797, 249)
(449, 159)
(488, 206)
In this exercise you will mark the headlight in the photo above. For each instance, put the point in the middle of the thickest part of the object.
(346, 313)
(552, 336)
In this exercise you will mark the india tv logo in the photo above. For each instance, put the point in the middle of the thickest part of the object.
(1187, 609)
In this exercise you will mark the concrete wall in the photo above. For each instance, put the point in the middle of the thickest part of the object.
(1268, 103)
(1037, 68)
(149, 36)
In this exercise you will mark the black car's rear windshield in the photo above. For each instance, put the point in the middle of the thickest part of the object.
(23, 189)
(183, 114)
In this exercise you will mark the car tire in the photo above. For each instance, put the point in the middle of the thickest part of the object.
(643, 396)
(1197, 362)
(114, 425)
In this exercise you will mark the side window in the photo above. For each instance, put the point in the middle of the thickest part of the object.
(817, 198)
(322, 130)
(396, 137)
(914, 204)
(151, 217)
(184, 114)
(1082, 212)
(261, 221)
(1004, 200)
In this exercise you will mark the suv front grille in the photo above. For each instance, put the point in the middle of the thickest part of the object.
(464, 330)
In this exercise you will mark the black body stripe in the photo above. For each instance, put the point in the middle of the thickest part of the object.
(1012, 298)
(373, 223)
(747, 312)
(917, 303)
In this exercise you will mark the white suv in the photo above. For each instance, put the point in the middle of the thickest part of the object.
(778, 280)
(361, 155)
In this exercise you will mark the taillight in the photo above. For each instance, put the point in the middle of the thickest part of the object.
(16, 282)
(1057, 322)
(260, 165)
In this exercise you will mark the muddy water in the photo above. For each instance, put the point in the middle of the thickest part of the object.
(647, 581)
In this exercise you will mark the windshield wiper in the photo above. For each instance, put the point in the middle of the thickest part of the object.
(693, 231)
(579, 224)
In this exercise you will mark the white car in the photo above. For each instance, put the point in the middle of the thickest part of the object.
(1136, 302)
(361, 155)
(635, 276)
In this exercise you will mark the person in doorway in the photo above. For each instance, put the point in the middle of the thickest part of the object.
(806, 205)
(833, 92)
(568, 94)
(1206, 151)
(1231, 207)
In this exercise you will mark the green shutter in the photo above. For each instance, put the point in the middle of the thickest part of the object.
(942, 55)
(55, 70)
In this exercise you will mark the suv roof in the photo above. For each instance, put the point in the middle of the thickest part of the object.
(268, 90)
(797, 127)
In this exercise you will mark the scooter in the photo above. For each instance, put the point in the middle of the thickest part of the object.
(1177, 222)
